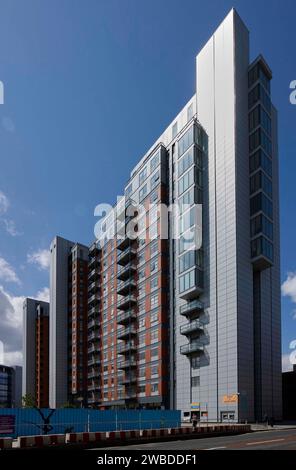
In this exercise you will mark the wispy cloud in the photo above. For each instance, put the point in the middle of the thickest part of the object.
(7, 272)
(43, 294)
(11, 323)
(40, 257)
(289, 287)
(286, 363)
(7, 223)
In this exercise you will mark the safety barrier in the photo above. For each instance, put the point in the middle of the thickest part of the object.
(120, 436)
(6, 443)
(41, 440)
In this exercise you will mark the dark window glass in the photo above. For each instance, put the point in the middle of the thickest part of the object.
(260, 202)
(260, 224)
(260, 159)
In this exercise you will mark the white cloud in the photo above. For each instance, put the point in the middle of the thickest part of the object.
(4, 203)
(289, 287)
(10, 228)
(286, 363)
(43, 294)
(11, 311)
(7, 273)
(40, 257)
(8, 224)
(11, 322)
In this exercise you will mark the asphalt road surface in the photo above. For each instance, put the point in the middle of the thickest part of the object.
(264, 440)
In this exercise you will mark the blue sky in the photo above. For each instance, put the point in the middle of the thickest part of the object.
(88, 87)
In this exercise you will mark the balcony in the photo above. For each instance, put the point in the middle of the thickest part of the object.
(93, 349)
(191, 307)
(125, 303)
(94, 323)
(94, 250)
(93, 360)
(93, 274)
(126, 317)
(192, 348)
(129, 379)
(127, 364)
(128, 254)
(93, 263)
(93, 311)
(94, 385)
(93, 374)
(93, 336)
(124, 333)
(193, 327)
(127, 286)
(93, 287)
(126, 271)
(123, 243)
(96, 398)
(125, 348)
(93, 299)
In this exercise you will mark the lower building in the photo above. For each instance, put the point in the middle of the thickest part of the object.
(10, 386)
(36, 351)
(289, 394)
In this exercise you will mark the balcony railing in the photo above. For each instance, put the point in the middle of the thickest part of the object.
(125, 348)
(129, 378)
(191, 307)
(93, 336)
(123, 333)
(94, 323)
(127, 364)
(93, 299)
(126, 302)
(93, 274)
(95, 385)
(126, 271)
(94, 399)
(124, 257)
(126, 317)
(194, 326)
(125, 287)
(191, 348)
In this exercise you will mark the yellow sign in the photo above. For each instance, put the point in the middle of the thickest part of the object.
(230, 398)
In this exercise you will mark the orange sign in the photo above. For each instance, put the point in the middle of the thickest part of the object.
(230, 398)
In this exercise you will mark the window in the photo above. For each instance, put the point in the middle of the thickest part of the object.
(260, 138)
(187, 281)
(154, 161)
(190, 112)
(154, 335)
(195, 381)
(153, 196)
(261, 203)
(154, 317)
(187, 261)
(154, 283)
(154, 352)
(260, 181)
(154, 301)
(186, 181)
(143, 192)
(142, 176)
(128, 191)
(154, 387)
(186, 140)
(260, 159)
(154, 266)
(154, 180)
(186, 161)
(195, 362)
(153, 247)
(261, 246)
(154, 370)
(260, 224)
(174, 130)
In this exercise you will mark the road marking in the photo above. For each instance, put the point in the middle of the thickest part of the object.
(216, 448)
(263, 442)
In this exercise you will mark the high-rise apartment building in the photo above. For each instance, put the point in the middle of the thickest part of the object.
(10, 386)
(36, 351)
(68, 322)
(168, 325)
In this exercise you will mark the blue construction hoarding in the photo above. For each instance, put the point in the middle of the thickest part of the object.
(30, 421)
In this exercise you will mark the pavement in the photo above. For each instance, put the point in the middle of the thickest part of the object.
(273, 439)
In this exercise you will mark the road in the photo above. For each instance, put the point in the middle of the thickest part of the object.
(263, 440)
